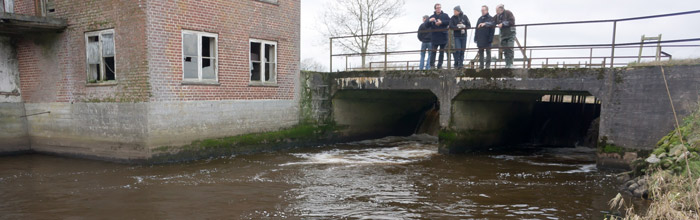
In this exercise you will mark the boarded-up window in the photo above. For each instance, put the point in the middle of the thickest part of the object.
(263, 62)
(100, 56)
(8, 6)
(200, 54)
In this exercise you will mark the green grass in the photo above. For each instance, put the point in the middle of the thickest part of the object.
(679, 62)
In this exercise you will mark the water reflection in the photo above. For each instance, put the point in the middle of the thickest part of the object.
(391, 178)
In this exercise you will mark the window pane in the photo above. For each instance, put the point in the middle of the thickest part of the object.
(270, 72)
(191, 68)
(93, 50)
(108, 45)
(189, 45)
(208, 68)
(255, 71)
(209, 47)
(270, 53)
(94, 72)
(255, 51)
(109, 68)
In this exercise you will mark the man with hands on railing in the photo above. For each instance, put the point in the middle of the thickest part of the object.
(483, 37)
(438, 21)
(461, 24)
(505, 20)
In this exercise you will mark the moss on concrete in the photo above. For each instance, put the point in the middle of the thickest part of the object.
(300, 135)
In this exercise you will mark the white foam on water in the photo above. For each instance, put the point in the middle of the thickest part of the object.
(582, 169)
(405, 152)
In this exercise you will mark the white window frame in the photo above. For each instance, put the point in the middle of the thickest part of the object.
(102, 61)
(199, 35)
(262, 65)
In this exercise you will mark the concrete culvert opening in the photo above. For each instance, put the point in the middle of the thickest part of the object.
(367, 114)
(484, 119)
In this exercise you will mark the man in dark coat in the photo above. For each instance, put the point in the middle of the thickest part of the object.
(484, 37)
(425, 38)
(438, 21)
(506, 22)
(460, 22)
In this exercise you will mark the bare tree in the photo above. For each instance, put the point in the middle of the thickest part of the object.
(310, 64)
(360, 19)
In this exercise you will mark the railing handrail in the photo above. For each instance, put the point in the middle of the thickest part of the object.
(529, 47)
(533, 24)
(527, 59)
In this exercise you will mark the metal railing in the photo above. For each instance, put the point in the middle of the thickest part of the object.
(527, 59)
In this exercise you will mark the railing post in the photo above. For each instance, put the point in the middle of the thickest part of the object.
(450, 39)
(386, 51)
(346, 63)
(590, 59)
(331, 60)
(525, 49)
(612, 57)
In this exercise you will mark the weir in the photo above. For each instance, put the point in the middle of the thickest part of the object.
(622, 107)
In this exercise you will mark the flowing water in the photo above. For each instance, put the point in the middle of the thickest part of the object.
(390, 178)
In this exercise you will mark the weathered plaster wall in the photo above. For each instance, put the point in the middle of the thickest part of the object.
(181, 123)
(110, 131)
(13, 128)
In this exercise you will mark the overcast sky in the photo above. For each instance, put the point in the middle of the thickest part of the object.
(314, 45)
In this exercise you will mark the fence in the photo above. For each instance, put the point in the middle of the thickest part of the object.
(526, 59)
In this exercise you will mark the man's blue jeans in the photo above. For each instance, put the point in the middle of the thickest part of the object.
(424, 49)
(460, 45)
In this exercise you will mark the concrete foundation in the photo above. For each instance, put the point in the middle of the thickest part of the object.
(129, 132)
(13, 127)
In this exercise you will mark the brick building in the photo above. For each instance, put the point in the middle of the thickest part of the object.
(123, 78)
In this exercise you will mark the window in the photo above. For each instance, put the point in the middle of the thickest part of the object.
(200, 53)
(263, 62)
(100, 56)
(7, 6)
(270, 1)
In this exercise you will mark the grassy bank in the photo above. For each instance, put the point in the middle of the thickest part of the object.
(672, 173)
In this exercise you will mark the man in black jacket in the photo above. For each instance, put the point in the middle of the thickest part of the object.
(484, 37)
(461, 24)
(425, 38)
(438, 21)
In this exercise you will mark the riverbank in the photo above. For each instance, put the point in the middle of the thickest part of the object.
(670, 177)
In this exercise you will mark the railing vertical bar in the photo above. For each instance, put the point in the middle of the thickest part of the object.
(612, 56)
(331, 60)
(386, 51)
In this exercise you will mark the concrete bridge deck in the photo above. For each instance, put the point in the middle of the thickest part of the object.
(483, 108)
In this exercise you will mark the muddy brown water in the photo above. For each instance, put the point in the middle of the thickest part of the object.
(393, 178)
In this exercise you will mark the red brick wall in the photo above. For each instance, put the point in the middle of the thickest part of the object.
(236, 22)
(52, 65)
(25, 7)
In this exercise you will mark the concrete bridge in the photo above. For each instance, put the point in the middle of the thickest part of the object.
(627, 108)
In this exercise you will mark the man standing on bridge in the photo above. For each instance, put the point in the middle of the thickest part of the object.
(505, 20)
(461, 23)
(426, 46)
(484, 37)
(439, 21)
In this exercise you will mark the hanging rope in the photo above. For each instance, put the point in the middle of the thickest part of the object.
(673, 108)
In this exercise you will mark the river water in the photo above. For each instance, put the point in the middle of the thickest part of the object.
(390, 178)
